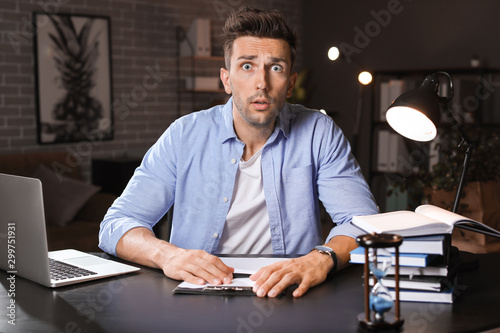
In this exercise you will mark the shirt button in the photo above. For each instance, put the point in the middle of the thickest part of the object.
(225, 199)
(233, 160)
(215, 235)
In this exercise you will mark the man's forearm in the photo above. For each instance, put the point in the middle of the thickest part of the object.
(342, 245)
(141, 246)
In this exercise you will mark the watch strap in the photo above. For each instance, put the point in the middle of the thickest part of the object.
(328, 251)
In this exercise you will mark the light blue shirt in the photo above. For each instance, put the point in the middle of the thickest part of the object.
(193, 166)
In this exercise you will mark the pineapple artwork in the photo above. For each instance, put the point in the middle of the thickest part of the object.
(75, 108)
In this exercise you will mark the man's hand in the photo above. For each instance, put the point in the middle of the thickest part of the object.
(197, 266)
(306, 271)
(139, 245)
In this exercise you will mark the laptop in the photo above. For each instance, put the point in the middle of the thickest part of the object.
(23, 241)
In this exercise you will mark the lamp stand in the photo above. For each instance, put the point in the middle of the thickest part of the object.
(468, 145)
(466, 142)
(468, 153)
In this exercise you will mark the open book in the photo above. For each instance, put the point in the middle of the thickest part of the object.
(426, 220)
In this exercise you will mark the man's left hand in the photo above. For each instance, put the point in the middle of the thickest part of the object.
(307, 271)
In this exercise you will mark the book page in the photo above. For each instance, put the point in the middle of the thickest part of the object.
(404, 223)
(457, 220)
(440, 214)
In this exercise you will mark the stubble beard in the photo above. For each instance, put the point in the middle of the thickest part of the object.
(254, 121)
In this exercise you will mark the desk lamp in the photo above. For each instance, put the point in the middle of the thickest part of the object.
(415, 113)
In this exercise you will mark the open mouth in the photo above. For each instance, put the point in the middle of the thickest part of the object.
(260, 104)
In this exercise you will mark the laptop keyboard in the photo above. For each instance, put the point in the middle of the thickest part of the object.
(62, 271)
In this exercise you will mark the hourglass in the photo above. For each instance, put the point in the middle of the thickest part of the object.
(378, 299)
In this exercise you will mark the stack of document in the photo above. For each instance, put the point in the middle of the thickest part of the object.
(425, 274)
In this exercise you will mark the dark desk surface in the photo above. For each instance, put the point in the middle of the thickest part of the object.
(143, 302)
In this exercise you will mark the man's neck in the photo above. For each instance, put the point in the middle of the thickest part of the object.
(253, 137)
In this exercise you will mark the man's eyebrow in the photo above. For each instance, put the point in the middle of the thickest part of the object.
(246, 57)
(278, 59)
(251, 57)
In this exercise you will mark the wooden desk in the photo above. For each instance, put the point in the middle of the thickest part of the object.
(143, 302)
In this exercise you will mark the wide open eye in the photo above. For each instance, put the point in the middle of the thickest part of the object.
(276, 68)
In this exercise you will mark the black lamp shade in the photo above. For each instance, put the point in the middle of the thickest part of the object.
(415, 113)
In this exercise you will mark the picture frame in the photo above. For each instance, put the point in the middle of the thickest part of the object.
(73, 77)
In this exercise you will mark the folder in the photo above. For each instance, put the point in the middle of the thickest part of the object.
(198, 39)
(238, 286)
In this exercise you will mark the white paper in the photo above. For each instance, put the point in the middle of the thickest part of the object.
(241, 265)
(237, 282)
(246, 265)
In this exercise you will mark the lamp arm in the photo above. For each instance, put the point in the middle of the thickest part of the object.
(466, 141)
(468, 145)
(451, 91)
(468, 153)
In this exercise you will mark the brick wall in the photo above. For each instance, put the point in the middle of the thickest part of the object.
(143, 41)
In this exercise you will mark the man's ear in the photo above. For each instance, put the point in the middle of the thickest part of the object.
(291, 84)
(224, 77)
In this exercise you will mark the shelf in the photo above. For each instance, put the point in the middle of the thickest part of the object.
(194, 66)
(475, 104)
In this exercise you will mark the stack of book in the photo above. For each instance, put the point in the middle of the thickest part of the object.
(428, 264)
(425, 270)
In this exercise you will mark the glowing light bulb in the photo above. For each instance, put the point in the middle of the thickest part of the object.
(333, 53)
(365, 78)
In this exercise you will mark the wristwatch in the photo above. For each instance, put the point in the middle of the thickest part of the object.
(327, 251)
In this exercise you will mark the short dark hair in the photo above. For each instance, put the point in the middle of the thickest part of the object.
(257, 23)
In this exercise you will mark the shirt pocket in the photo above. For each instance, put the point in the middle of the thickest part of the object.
(302, 174)
(298, 190)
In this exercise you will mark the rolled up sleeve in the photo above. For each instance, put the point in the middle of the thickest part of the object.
(145, 200)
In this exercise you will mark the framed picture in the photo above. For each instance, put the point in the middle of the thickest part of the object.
(73, 78)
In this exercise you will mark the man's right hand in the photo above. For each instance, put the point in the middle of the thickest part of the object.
(140, 245)
(197, 267)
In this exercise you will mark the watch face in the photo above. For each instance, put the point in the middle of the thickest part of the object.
(323, 248)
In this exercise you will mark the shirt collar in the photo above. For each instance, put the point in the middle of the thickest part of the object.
(228, 129)
(283, 121)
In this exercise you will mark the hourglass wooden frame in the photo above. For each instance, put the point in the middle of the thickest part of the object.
(380, 241)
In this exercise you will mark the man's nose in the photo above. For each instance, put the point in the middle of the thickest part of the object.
(261, 79)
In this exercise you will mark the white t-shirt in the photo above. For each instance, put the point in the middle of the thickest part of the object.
(247, 223)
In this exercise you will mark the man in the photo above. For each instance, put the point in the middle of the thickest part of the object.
(245, 177)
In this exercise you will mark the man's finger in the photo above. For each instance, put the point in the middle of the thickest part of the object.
(216, 269)
(275, 284)
(190, 278)
(208, 267)
(302, 288)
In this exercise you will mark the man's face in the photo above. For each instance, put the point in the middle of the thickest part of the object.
(259, 79)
